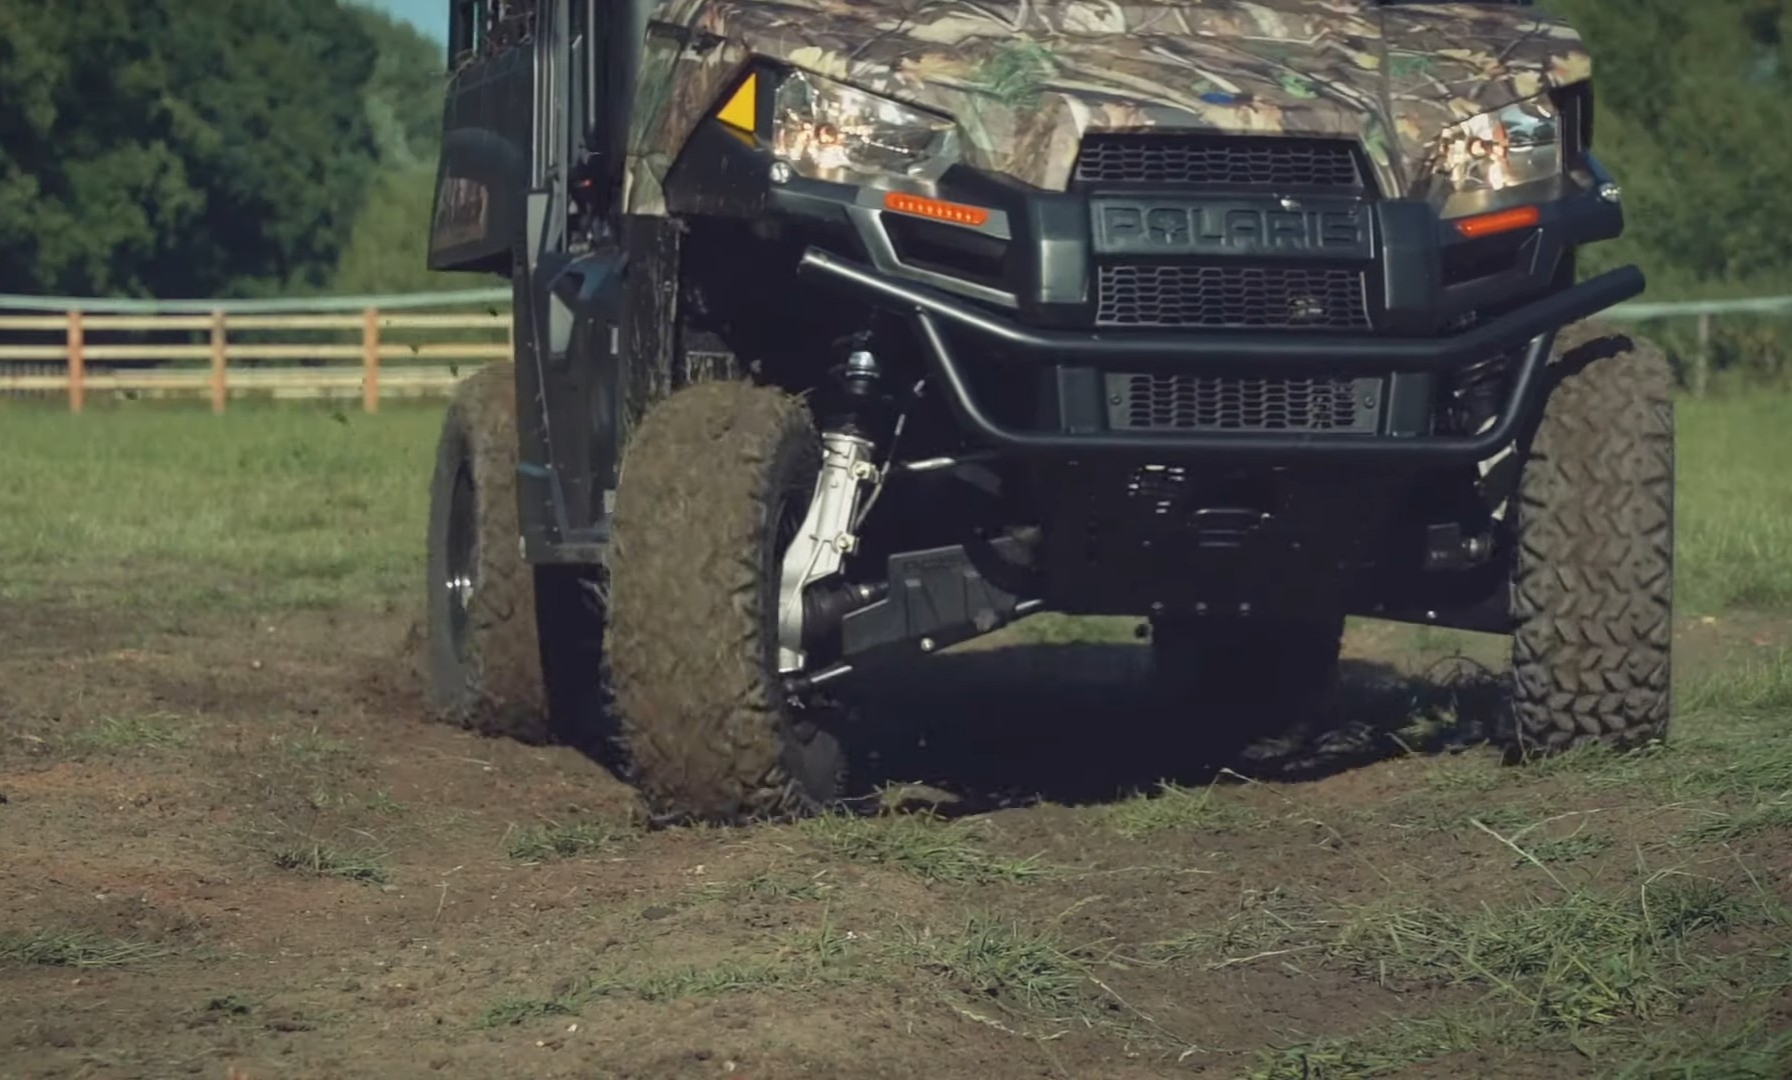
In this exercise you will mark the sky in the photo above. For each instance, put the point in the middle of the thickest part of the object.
(429, 16)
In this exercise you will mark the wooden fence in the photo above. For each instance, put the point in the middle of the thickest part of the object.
(69, 354)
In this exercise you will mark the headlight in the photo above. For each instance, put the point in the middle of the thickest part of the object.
(829, 131)
(1487, 161)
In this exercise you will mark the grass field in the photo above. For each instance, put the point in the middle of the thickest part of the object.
(230, 840)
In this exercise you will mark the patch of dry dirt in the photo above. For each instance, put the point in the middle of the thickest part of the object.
(320, 883)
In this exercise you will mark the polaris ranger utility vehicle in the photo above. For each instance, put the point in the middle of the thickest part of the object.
(847, 330)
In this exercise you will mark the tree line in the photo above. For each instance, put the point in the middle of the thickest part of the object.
(212, 147)
(244, 147)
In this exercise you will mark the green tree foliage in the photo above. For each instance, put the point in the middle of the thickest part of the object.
(389, 249)
(180, 147)
(403, 95)
(1694, 107)
(1694, 103)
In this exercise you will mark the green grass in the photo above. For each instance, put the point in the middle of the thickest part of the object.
(268, 506)
(117, 734)
(76, 949)
(310, 747)
(1596, 970)
(320, 860)
(801, 960)
(543, 843)
(997, 959)
(1747, 1052)
(767, 886)
(288, 505)
(1177, 807)
(1734, 503)
(928, 849)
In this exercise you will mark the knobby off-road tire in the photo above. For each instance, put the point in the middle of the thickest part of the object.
(485, 669)
(715, 481)
(1245, 661)
(1593, 574)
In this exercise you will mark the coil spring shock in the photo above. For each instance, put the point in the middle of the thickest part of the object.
(1478, 392)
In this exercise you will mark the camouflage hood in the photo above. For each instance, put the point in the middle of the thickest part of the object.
(1028, 78)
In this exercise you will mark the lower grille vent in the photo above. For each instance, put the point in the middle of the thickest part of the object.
(1151, 402)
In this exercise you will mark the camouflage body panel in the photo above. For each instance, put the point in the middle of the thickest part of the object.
(1026, 79)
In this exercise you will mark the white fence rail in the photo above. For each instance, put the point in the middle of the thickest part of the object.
(48, 342)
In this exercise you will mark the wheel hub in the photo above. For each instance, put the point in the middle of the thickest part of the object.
(461, 581)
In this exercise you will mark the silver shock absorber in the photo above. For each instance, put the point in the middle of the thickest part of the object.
(826, 538)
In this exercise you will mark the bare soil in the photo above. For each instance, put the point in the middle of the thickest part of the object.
(312, 880)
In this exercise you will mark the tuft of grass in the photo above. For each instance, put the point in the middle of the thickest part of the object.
(1176, 807)
(694, 981)
(382, 803)
(995, 958)
(1586, 959)
(1567, 849)
(512, 1011)
(1725, 828)
(1267, 923)
(319, 860)
(112, 734)
(766, 886)
(1746, 1052)
(1557, 972)
(922, 846)
(543, 843)
(78, 949)
(801, 961)
(309, 747)
(1382, 1052)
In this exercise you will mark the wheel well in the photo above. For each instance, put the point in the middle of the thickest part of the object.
(739, 286)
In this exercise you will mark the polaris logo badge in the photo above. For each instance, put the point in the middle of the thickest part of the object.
(1234, 228)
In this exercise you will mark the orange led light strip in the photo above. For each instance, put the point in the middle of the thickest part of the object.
(937, 209)
(1519, 217)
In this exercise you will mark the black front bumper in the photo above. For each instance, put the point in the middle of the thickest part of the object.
(1026, 293)
(1531, 328)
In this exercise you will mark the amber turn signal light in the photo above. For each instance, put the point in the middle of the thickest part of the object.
(937, 209)
(1500, 221)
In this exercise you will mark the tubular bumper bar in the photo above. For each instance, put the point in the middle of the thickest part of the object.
(1533, 326)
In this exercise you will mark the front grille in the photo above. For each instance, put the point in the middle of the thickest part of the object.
(1140, 402)
(1218, 161)
(1318, 298)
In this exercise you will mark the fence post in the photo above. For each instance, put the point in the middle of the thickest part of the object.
(370, 360)
(1701, 365)
(220, 388)
(77, 363)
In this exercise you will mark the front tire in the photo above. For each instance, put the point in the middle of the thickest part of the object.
(488, 610)
(715, 482)
(1593, 580)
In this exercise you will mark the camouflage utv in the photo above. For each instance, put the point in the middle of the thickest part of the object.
(848, 330)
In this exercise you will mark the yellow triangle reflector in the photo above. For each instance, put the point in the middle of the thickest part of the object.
(742, 110)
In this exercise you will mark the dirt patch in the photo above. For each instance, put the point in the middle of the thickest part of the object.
(238, 844)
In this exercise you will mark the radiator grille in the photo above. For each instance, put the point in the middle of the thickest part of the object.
(1213, 403)
(1324, 298)
(1218, 161)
